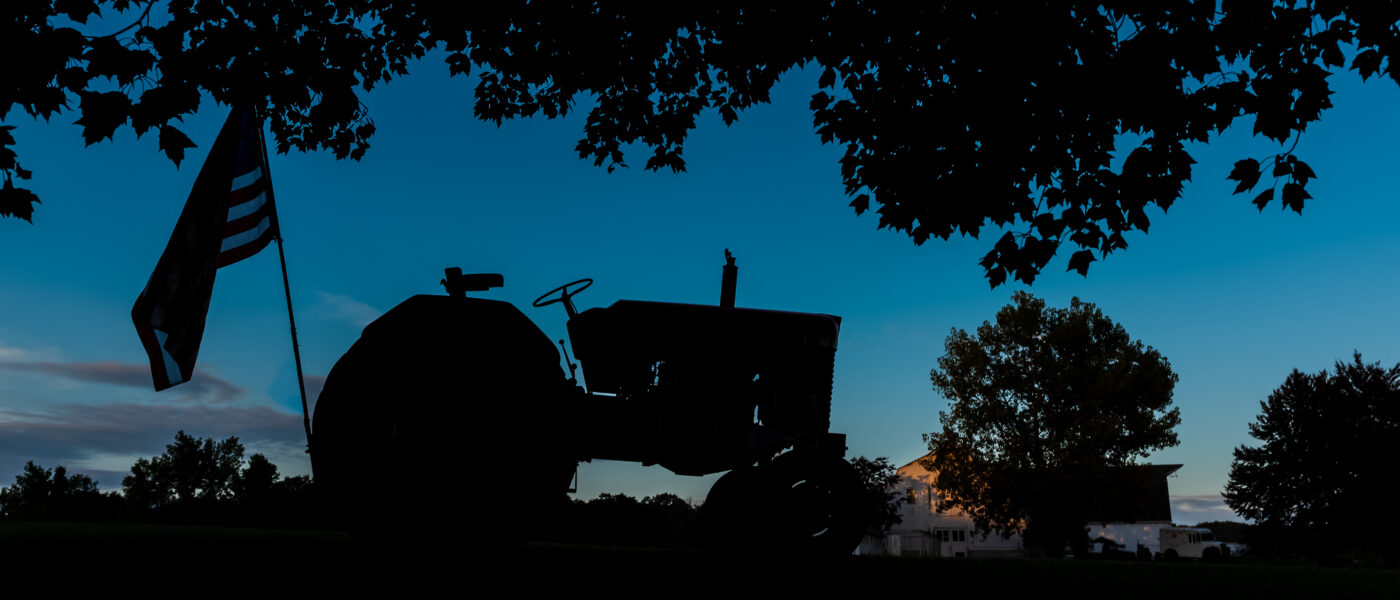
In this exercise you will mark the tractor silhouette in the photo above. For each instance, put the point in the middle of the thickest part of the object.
(458, 411)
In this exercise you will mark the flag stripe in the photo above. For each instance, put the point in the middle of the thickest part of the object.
(245, 223)
(246, 179)
(246, 236)
(241, 252)
(245, 194)
(238, 211)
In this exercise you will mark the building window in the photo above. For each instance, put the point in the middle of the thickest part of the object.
(909, 495)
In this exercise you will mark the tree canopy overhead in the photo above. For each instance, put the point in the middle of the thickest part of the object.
(1049, 409)
(954, 117)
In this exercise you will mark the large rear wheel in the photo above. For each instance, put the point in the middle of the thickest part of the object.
(446, 421)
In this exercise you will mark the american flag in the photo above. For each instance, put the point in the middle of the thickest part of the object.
(229, 216)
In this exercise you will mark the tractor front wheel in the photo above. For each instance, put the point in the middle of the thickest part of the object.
(800, 502)
(814, 503)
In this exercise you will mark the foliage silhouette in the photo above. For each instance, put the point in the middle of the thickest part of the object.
(264, 499)
(1321, 480)
(1046, 408)
(660, 521)
(880, 500)
(193, 480)
(189, 483)
(258, 479)
(947, 128)
(41, 494)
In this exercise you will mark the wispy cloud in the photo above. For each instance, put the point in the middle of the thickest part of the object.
(15, 354)
(202, 386)
(340, 307)
(1203, 507)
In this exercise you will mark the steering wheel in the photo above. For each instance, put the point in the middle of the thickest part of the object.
(564, 295)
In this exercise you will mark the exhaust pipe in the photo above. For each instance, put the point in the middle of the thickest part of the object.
(728, 281)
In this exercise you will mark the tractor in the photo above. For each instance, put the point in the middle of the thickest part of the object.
(452, 415)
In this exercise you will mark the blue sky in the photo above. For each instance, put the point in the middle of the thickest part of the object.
(1235, 299)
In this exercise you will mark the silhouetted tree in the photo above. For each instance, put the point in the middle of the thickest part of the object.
(44, 494)
(193, 476)
(265, 499)
(880, 502)
(258, 480)
(1321, 482)
(947, 127)
(146, 487)
(1045, 407)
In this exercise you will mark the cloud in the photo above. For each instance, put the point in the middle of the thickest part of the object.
(1203, 507)
(313, 384)
(13, 354)
(8, 354)
(202, 386)
(340, 307)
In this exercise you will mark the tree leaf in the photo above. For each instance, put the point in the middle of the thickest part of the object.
(1293, 196)
(1263, 198)
(173, 143)
(1247, 173)
(103, 113)
(861, 204)
(17, 202)
(1332, 55)
(1079, 261)
(1367, 63)
(1302, 172)
(77, 10)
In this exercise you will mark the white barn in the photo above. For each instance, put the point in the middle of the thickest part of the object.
(925, 531)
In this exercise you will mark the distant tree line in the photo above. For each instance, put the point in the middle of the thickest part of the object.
(208, 482)
(667, 521)
(195, 481)
(660, 521)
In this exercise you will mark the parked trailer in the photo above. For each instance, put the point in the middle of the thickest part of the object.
(1195, 543)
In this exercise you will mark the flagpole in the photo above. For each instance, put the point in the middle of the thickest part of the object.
(286, 285)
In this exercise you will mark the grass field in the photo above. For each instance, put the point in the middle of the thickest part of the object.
(159, 561)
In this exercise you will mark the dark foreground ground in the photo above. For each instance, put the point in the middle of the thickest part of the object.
(65, 560)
